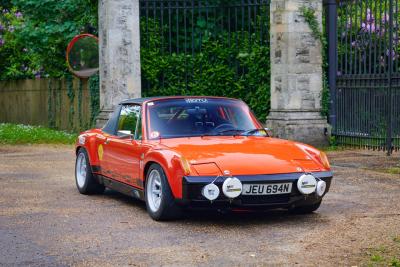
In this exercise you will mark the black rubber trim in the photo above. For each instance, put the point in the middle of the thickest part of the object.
(192, 186)
(96, 168)
(122, 187)
(255, 178)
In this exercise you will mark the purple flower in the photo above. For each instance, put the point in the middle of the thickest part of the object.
(1, 27)
(5, 11)
(370, 18)
(18, 15)
(37, 75)
(393, 54)
(385, 18)
(339, 73)
(11, 29)
(2, 42)
(354, 44)
(368, 27)
(371, 27)
(363, 25)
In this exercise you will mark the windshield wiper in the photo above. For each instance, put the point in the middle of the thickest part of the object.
(252, 131)
(243, 132)
(231, 130)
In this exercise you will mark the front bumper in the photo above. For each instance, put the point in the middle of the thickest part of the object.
(192, 197)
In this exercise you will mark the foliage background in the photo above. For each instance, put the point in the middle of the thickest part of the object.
(34, 35)
(217, 61)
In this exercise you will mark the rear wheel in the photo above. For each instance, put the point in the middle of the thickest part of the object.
(84, 178)
(159, 199)
(306, 209)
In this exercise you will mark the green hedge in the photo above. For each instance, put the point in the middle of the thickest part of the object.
(239, 70)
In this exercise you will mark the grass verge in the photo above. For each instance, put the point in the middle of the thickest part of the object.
(27, 134)
(385, 255)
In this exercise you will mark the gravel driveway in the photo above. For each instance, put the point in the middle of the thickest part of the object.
(45, 221)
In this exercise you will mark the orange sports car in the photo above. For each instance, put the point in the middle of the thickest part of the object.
(198, 152)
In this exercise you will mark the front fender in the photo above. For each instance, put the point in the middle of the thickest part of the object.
(89, 141)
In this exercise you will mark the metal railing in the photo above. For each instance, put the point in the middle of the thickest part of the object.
(365, 82)
(182, 30)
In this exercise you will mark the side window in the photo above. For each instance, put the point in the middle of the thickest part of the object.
(129, 121)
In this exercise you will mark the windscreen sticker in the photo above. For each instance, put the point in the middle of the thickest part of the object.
(154, 134)
(196, 100)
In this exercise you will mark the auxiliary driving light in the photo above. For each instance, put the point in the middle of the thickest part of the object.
(307, 184)
(321, 187)
(232, 187)
(210, 191)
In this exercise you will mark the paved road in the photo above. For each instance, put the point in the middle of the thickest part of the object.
(44, 221)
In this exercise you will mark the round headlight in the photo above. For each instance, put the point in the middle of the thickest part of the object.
(321, 187)
(307, 184)
(232, 187)
(210, 191)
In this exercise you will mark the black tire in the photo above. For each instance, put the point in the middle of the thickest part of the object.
(90, 185)
(168, 209)
(306, 209)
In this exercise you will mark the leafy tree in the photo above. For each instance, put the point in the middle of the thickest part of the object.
(16, 60)
(36, 34)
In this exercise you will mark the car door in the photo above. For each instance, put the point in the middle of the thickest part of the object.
(121, 152)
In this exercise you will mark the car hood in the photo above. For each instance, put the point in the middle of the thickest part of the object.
(242, 155)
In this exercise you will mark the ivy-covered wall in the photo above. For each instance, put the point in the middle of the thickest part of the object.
(68, 104)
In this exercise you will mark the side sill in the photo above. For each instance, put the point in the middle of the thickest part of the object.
(121, 187)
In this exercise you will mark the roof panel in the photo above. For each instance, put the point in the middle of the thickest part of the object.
(140, 101)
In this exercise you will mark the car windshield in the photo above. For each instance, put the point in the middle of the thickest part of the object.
(187, 117)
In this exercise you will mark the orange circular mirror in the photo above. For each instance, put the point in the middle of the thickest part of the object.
(83, 55)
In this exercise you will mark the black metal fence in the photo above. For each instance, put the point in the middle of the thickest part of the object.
(366, 100)
(186, 38)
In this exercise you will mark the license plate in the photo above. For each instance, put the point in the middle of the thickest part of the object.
(266, 189)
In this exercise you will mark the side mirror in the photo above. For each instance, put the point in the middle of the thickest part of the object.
(125, 132)
(269, 132)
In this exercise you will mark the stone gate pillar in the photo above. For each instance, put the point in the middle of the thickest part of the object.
(296, 74)
(119, 44)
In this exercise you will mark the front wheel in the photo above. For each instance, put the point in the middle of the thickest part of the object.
(84, 178)
(159, 200)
